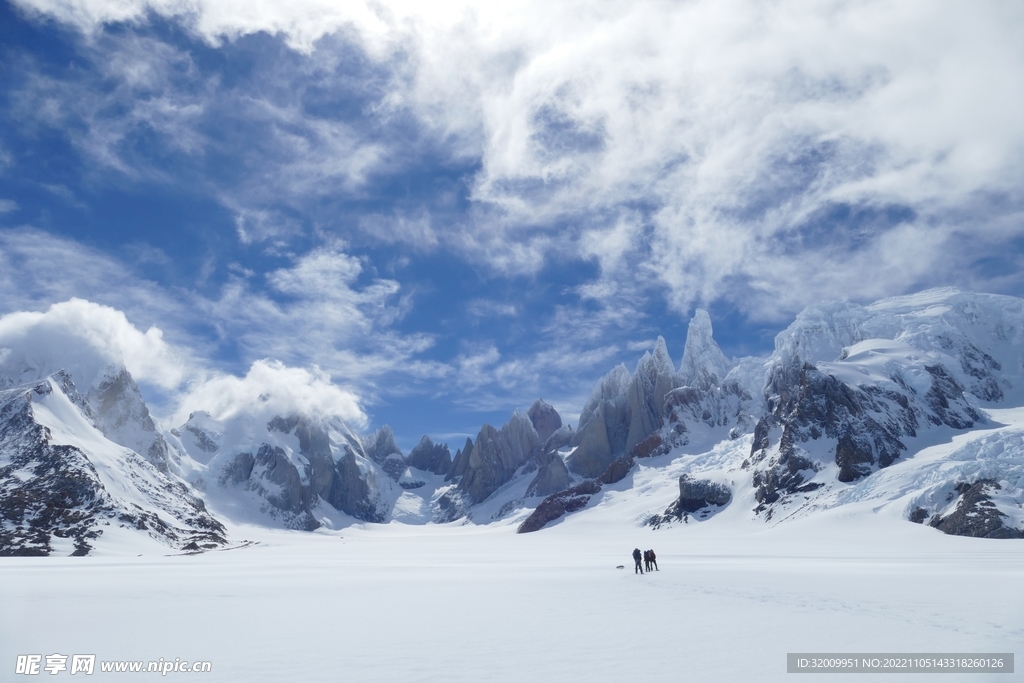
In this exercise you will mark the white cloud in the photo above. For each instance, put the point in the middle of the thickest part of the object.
(734, 121)
(271, 388)
(318, 311)
(87, 339)
(8, 205)
(38, 269)
(488, 308)
(315, 314)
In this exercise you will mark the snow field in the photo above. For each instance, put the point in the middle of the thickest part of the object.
(466, 603)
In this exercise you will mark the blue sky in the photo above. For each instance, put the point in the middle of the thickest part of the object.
(452, 210)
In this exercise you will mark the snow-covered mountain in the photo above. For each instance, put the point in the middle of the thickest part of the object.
(65, 485)
(852, 397)
(915, 404)
(295, 471)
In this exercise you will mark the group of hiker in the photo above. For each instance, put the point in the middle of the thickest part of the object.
(649, 558)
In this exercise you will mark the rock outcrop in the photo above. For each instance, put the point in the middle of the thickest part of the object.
(545, 419)
(552, 476)
(119, 411)
(460, 462)
(698, 498)
(381, 448)
(866, 423)
(653, 379)
(496, 455)
(975, 514)
(555, 506)
(604, 425)
(430, 457)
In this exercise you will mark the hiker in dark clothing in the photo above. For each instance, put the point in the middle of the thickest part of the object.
(636, 558)
(654, 560)
(647, 560)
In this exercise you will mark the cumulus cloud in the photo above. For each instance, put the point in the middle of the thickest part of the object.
(87, 340)
(90, 340)
(271, 388)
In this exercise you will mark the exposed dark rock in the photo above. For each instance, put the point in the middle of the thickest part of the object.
(695, 494)
(981, 368)
(918, 515)
(868, 423)
(651, 446)
(507, 509)
(618, 470)
(350, 492)
(285, 425)
(52, 491)
(238, 470)
(946, 400)
(381, 448)
(291, 493)
(496, 456)
(699, 498)
(976, 515)
(854, 458)
(273, 465)
(460, 462)
(203, 440)
(430, 457)
(557, 505)
(452, 505)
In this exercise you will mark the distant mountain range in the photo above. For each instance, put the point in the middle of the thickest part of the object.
(910, 401)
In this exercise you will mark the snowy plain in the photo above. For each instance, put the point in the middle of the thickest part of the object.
(481, 603)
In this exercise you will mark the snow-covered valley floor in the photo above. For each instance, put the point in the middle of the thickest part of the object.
(464, 603)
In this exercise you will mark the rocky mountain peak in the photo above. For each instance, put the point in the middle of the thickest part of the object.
(703, 365)
(430, 457)
(381, 444)
(545, 419)
(121, 414)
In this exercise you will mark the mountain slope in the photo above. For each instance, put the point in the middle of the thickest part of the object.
(851, 396)
(64, 485)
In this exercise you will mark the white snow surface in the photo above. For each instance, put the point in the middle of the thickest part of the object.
(477, 602)
(480, 603)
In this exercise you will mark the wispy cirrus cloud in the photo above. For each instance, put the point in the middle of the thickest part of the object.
(733, 129)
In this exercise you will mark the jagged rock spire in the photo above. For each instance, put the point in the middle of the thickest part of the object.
(703, 363)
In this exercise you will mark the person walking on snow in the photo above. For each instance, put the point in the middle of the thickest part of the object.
(654, 560)
(636, 558)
